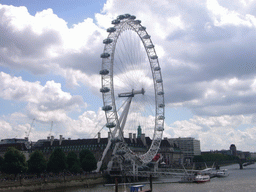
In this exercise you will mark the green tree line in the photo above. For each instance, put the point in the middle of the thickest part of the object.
(214, 158)
(14, 162)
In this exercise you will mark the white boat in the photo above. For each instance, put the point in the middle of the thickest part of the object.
(187, 179)
(202, 178)
(222, 173)
(195, 178)
(215, 172)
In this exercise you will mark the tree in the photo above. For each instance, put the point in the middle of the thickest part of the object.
(76, 168)
(57, 161)
(36, 163)
(14, 161)
(214, 158)
(198, 158)
(1, 162)
(73, 162)
(87, 160)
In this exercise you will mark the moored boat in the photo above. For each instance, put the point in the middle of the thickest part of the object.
(201, 178)
(187, 179)
(138, 188)
(222, 173)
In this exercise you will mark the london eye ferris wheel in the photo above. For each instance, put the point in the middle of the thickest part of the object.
(132, 88)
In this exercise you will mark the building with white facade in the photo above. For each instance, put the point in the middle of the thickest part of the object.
(189, 146)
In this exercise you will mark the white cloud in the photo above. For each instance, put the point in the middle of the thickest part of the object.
(192, 56)
(206, 51)
(86, 126)
(223, 16)
(83, 35)
(44, 102)
(218, 132)
(40, 43)
(6, 128)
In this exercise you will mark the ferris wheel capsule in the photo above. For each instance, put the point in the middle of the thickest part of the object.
(121, 17)
(116, 21)
(159, 80)
(160, 129)
(127, 15)
(132, 17)
(107, 41)
(154, 57)
(161, 105)
(111, 29)
(104, 72)
(106, 108)
(137, 21)
(105, 55)
(110, 125)
(142, 28)
(104, 90)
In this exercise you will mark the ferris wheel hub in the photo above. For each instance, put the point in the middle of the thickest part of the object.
(131, 94)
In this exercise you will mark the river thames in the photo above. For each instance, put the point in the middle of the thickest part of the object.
(237, 181)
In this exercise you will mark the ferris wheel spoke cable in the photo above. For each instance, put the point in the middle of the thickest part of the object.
(130, 55)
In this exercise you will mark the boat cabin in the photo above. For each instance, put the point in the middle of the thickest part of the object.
(138, 188)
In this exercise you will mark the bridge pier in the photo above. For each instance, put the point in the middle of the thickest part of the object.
(241, 165)
(150, 183)
(116, 185)
(240, 162)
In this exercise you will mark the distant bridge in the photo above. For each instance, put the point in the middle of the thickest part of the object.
(245, 163)
(241, 162)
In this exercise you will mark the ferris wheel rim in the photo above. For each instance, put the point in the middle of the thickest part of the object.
(122, 23)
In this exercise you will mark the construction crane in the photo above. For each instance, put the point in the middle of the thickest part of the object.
(30, 128)
(50, 134)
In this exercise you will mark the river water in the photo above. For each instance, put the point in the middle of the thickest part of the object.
(239, 180)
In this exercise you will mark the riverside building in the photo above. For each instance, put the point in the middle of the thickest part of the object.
(189, 146)
(170, 153)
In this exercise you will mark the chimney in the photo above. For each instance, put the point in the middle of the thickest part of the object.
(130, 137)
(60, 141)
(98, 137)
(143, 139)
(134, 137)
(52, 139)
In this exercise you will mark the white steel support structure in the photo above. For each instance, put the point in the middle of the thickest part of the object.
(115, 122)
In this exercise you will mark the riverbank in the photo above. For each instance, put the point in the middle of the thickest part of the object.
(45, 184)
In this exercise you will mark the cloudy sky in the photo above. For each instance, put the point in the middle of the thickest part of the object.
(50, 62)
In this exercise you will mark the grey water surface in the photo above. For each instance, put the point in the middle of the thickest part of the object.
(238, 181)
